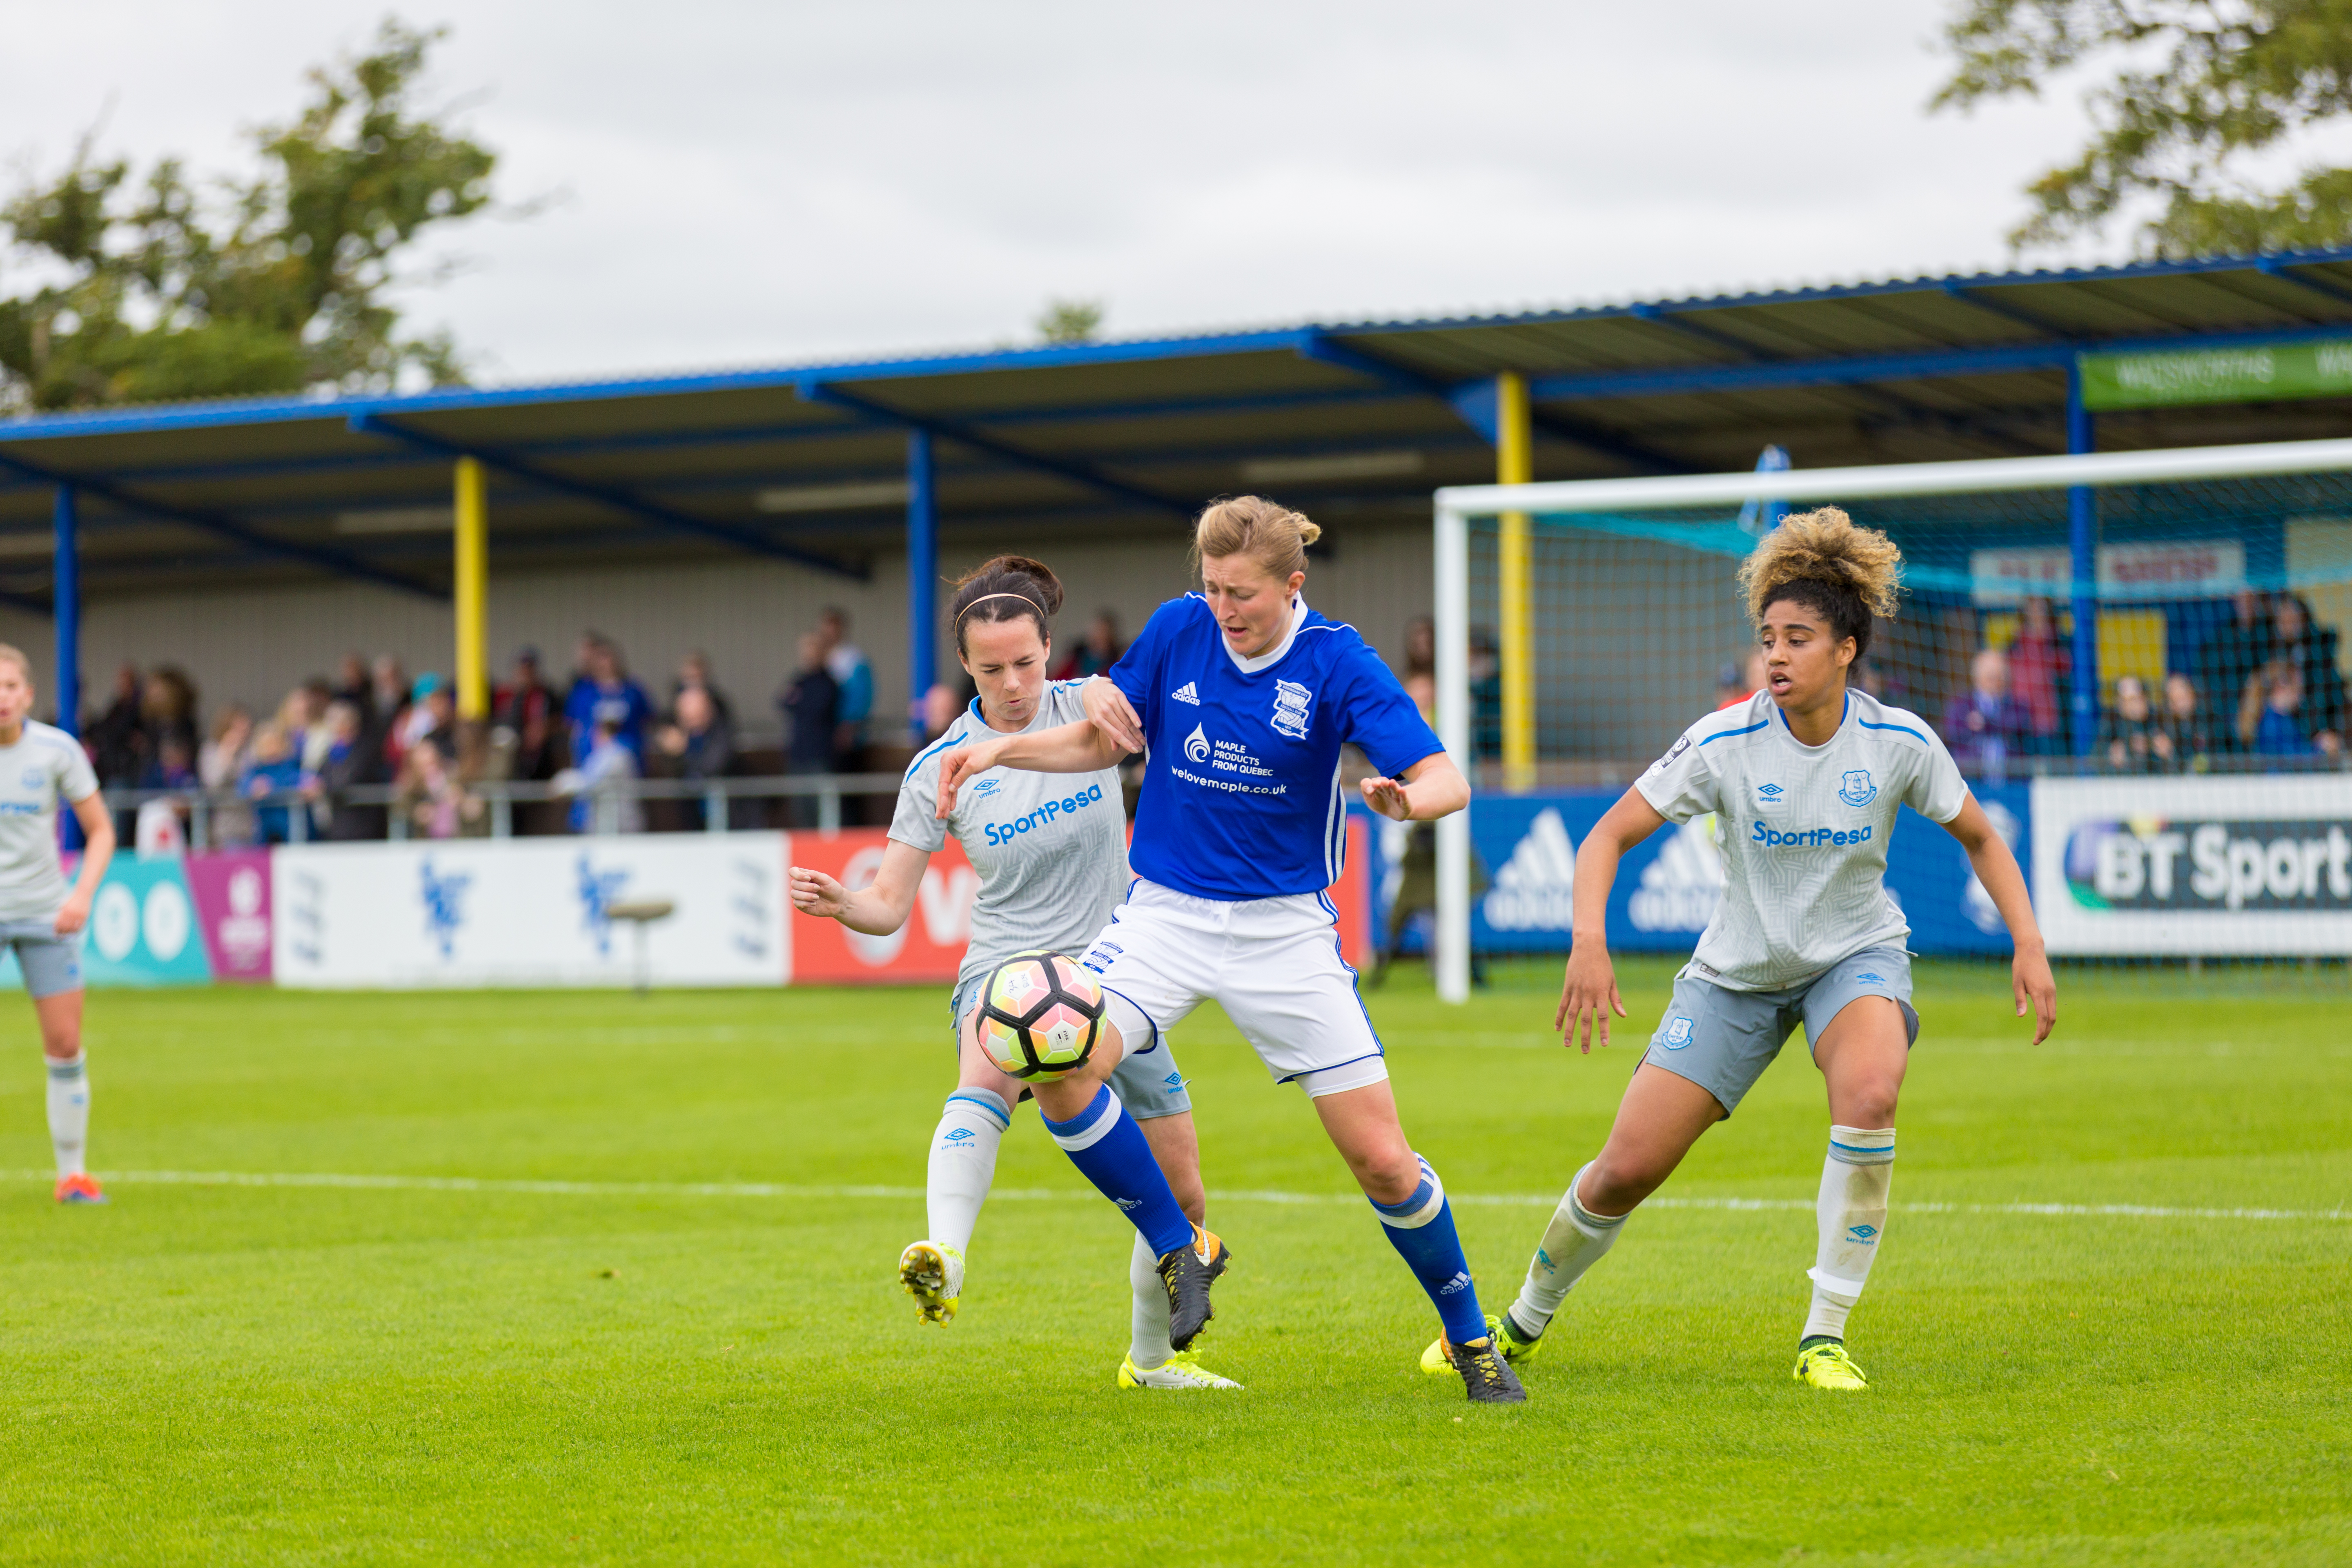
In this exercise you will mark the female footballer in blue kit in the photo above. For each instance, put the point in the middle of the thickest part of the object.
(1053, 862)
(1243, 696)
(1804, 779)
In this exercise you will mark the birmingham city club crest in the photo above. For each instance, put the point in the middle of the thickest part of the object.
(1857, 789)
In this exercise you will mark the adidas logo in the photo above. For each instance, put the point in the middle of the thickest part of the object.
(1188, 692)
(1536, 889)
(1681, 887)
(1128, 1205)
(1459, 1282)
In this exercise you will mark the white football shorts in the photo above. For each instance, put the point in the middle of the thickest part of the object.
(1273, 965)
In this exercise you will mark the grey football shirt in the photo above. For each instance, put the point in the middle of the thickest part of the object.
(1050, 848)
(45, 765)
(1803, 829)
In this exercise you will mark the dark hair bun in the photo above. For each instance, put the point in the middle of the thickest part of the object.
(1007, 589)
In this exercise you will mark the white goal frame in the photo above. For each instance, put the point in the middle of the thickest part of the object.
(1457, 504)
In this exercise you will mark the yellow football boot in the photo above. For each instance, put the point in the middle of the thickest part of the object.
(933, 1276)
(1825, 1365)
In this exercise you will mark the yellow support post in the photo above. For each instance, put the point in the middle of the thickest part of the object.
(473, 589)
(1515, 464)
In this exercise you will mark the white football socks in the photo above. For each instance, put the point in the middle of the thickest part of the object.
(68, 1110)
(1572, 1243)
(1147, 1333)
(1852, 1213)
(963, 1163)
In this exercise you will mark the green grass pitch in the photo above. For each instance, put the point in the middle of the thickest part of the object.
(267, 1373)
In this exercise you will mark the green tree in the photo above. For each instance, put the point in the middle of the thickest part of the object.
(1070, 321)
(277, 284)
(2197, 86)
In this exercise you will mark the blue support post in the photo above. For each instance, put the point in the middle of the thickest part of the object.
(66, 609)
(922, 579)
(2082, 539)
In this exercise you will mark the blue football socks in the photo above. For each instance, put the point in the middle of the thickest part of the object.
(1105, 1143)
(1421, 1230)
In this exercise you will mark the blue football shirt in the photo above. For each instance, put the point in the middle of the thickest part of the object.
(1241, 798)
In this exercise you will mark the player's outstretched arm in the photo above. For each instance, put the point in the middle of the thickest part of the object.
(2030, 983)
(1431, 788)
(876, 911)
(1073, 748)
(1588, 994)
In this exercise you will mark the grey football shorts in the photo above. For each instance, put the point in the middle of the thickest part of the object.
(52, 964)
(1722, 1040)
(1147, 1079)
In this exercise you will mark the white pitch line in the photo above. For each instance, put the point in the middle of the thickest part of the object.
(1052, 1194)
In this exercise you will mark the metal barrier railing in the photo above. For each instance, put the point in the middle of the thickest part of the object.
(606, 802)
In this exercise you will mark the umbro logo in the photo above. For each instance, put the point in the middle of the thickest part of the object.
(961, 1134)
(1188, 692)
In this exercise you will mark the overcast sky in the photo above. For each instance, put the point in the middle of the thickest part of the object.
(769, 183)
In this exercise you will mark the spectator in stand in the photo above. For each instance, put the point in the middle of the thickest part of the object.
(352, 686)
(940, 706)
(387, 707)
(174, 767)
(1485, 694)
(338, 770)
(2040, 670)
(811, 704)
(116, 740)
(2312, 650)
(220, 765)
(431, 718)
(603, 801)
(2131, 738)
(1099, 650)
(1420, 663)
(272, 770)
(606, 695)
(853, 679)
(2185, 741)
(2231, 655)
(167, 708)
(434, 798)
(528, 706)
(318, 695)
(1984, 726)
(1736, 683)
(694, 746)
(2272, 721)
(694, 675)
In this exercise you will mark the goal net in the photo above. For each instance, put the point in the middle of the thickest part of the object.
(2134, 657)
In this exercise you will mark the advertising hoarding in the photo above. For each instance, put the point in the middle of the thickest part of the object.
(2203, 867)
(1667, 887)
(530, 912)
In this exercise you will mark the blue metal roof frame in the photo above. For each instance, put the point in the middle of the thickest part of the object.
(1134, 434)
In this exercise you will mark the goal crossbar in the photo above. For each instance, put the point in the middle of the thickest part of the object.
(2079, 470)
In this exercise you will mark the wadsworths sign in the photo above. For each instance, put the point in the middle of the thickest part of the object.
(2224, 866)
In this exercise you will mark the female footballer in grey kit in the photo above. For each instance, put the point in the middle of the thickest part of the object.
(1804, 778)
(1051, 852)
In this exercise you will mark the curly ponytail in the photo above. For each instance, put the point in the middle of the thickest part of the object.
(1821, 560)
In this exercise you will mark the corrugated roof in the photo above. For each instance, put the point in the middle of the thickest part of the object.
(1367, 416)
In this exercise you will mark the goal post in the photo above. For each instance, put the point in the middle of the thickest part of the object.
(1629, 593)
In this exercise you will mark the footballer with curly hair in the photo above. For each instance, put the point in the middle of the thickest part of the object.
(1804, 779)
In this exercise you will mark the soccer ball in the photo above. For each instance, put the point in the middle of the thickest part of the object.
(1039, 1016)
